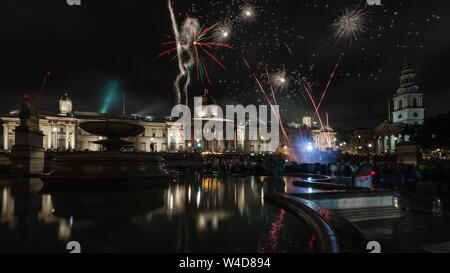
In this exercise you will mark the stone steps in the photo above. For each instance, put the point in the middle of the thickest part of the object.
(369, 214)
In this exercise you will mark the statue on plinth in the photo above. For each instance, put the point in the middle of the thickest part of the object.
(27, 155)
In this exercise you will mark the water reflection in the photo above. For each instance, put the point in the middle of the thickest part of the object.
(204, 215)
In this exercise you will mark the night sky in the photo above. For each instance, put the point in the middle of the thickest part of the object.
(101, 49)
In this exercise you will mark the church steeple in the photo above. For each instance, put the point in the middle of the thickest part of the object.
(408, 76)
(408, 100)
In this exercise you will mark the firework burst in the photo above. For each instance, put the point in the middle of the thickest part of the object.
(280, 80)
(248, 13)
(350, 24)
(223, 32)
(192, 45)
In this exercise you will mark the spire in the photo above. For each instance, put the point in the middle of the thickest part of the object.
(408, 76)
(407, 68)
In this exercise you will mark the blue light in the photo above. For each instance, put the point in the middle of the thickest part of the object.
(111, 90)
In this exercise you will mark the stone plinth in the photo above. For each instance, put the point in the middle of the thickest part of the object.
(407, 153)
(27, 155)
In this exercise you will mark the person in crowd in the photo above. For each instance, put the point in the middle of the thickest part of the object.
(346, 173)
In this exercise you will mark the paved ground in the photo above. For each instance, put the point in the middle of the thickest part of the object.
(425, 227)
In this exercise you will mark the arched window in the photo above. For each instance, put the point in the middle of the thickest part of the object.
(414, 102)
(400, 104)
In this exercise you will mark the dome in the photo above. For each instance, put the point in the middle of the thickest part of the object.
(65, 97)
(207, 99)
(65, 105)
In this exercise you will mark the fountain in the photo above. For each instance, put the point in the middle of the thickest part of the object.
(110, 167)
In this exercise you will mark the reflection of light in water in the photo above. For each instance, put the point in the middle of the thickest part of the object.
(7, 206)
(201, 223)
(64, 230)
(46, 215)
(437, 208)
(396, 202)
(213, 217)
(148, 217)
(241, 202)
(273, 233)
(199, 196)
(189, 193)
(175, 198)
(209, 184)
(262, 196)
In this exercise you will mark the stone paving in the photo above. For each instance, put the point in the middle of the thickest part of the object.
(425, 227)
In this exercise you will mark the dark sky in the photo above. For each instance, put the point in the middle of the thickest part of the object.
(104, 44)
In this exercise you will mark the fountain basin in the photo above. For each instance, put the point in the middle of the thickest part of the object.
(94, 169)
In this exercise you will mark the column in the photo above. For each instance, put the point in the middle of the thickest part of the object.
(393, 142)
(66, 129)
(385, 146)
(379, 145)
(5, 136)
(48, 132)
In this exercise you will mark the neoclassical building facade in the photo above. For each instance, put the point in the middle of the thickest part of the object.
(62, 132)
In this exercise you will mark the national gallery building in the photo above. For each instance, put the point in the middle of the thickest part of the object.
(62, 132)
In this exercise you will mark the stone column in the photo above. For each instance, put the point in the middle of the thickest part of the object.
(393, 142)
(5, 136)
(385, 146)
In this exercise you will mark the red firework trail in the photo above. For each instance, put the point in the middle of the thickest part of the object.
(317, 112)
(44, 83)
(301, 135)
(197, 44)
(270, 84)
(328, 84)
(273, 109)
(268, 100)
(246, 63)
(328, 128)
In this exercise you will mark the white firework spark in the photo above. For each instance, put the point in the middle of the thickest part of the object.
(186, 58)
(179, 49)
(280, 80)
(248, 13)
(223, 32)
(350, 24)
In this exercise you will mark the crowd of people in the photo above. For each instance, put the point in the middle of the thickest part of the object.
(428, 176)
(237, 164)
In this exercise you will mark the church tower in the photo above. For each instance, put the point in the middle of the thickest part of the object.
(408, 100)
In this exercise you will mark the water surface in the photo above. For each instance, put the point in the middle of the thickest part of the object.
(198, 215)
